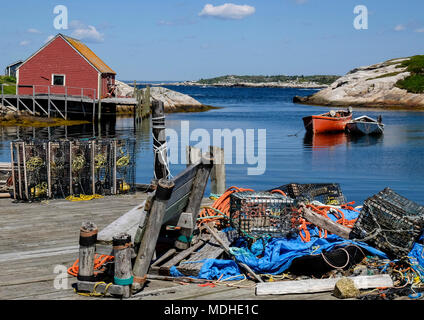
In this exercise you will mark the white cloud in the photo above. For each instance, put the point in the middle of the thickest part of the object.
(33, 30)
(301, 1)
(228, 11)
(85, 32)
(420, 30)
(24, 43)
(49, 38)
(400, 27)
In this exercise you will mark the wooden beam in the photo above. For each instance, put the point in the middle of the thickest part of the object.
(320, 285)
(151, 233)
(164, 269)
(325, 223)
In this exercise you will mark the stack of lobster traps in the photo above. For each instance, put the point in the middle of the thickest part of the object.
(390, 222)
(61, 168)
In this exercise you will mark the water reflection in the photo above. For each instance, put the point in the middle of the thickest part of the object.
(328, 140)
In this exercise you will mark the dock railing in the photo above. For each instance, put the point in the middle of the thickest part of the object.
(52, 94)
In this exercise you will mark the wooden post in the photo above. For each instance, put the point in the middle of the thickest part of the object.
(218, 170)
(71, 190)
(135, 89)
(195, 199)
(12, 160)
(25, 170)
(159, 140)
(87, 249)
(193, 155)
(122, 252)
(49, 182)
(146, 103)
(99, 113)
(48, 101)
(151, 233)
(2, 95)
(18, 156)
(93, 164)
(33, 100)
(66, 103)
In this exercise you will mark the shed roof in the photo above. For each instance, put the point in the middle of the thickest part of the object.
(89, 55)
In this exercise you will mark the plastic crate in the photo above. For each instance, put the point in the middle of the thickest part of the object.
(326, 193)
(390, 222)
(258, 214)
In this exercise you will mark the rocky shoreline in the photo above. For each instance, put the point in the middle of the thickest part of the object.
(173, 101)
(373, 86)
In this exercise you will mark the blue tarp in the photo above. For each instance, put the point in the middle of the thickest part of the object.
(275, 255)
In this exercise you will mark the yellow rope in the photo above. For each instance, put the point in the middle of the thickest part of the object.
(83, 197)
(94, 293)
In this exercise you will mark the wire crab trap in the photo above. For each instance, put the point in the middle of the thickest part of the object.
(390, 222)
(326, 193)
(124, 166)
(81, 167)
(30, 170)
(102, 160)
(58, 169)
(60, 174)
(259, 214)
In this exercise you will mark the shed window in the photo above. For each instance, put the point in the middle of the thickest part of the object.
(58, 80)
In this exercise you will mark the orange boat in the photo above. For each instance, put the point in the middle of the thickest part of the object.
(332, 121)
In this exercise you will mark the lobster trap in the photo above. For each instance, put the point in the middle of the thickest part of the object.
(29, 166)
(58, 169)
(390, 222)
(259, 214)
(124, 164)
(326, 193)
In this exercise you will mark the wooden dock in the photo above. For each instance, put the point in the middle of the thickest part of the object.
(36, 238)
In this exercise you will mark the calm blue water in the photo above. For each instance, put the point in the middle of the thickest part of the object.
(361, 166)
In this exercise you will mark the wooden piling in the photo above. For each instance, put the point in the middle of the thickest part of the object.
(122, 252)
(151, 233)
(218, 171)
(159, 140)
(87, 249)
(146, 103)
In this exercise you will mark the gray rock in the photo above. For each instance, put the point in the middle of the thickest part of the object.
(345, 289)
(368, 86)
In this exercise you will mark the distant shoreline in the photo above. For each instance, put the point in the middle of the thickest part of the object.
(238, 85)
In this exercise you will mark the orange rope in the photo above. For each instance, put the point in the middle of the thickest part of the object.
(324, 210)
(99, 261)
(223, 205)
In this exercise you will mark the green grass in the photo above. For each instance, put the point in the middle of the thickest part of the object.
(415, 82)
(9, 84)
(392, 74)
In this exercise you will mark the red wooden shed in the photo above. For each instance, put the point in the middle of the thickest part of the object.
(65, 65)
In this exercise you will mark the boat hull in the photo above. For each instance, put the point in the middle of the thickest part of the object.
(364, 128)
(320, 124)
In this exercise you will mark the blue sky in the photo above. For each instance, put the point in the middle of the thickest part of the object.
(172, 40)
